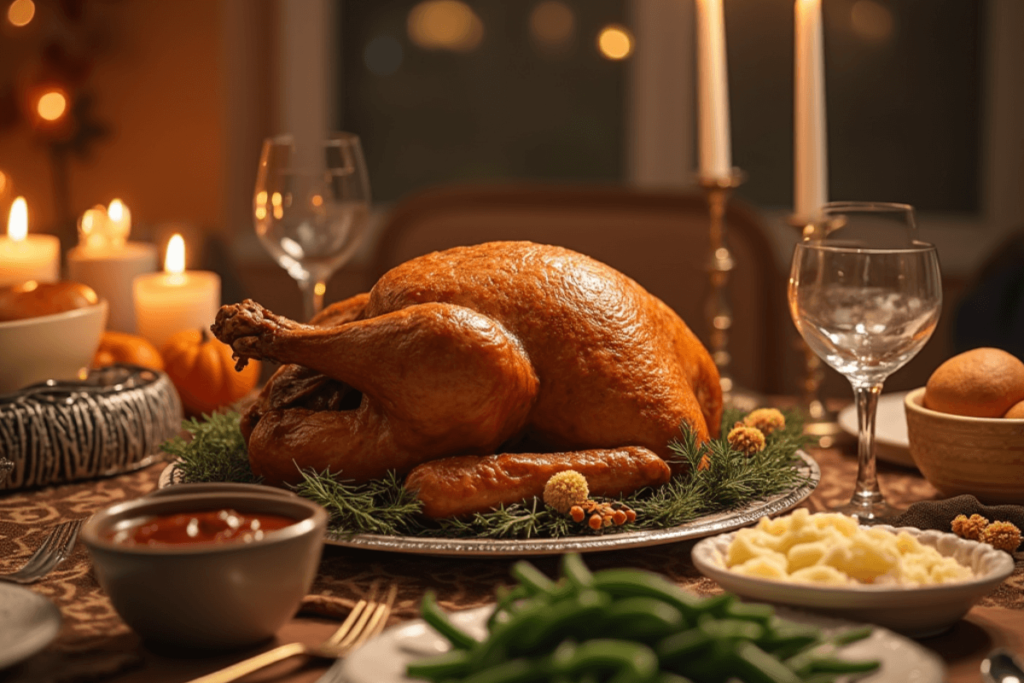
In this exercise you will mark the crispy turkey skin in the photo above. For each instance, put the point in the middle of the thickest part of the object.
(499, 347)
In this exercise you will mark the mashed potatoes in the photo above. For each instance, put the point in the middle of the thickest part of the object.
(832, 549)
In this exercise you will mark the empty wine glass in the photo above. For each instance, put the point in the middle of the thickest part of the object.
(311, 207)
(866, 298)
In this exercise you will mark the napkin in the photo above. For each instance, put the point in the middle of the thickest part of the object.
(939, 514)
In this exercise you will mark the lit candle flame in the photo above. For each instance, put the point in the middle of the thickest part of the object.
(17, 222)
(174, 262)
(120, 224)
(116, 210)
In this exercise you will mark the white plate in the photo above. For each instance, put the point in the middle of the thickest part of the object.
(383, 660)
(891, 441)
(918, 612)
(482, 547)
(28, 623)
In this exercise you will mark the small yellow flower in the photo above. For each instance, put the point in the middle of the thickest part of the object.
(969, 527)
(566, 489)
(768, 420)
(746, 440)
(1002, 536)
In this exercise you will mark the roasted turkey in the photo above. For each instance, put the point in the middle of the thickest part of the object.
(501, 348)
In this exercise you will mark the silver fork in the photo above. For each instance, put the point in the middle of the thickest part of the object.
(55, 549)
(366, 620)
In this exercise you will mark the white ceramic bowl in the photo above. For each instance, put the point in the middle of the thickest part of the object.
(917, 612)
(57, 346)
(208, 596)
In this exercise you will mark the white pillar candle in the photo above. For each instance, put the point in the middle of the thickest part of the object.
(713, 91)
(25, 257)
(109, 264)
(810, 157)
(110, 271)
(175, 300)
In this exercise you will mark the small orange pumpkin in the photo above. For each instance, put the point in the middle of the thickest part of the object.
(203, 371)
(121, 347)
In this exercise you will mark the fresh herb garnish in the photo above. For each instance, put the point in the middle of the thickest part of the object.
(216, 452)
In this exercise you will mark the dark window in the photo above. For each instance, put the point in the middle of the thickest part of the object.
(505, 102)
(904, 92)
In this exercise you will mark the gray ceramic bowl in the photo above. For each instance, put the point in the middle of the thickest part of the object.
(211, 596)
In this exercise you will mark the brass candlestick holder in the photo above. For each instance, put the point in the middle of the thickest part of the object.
(717, 308)
(821, 421)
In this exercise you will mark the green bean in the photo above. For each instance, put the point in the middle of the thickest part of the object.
(508, 633)
(682, 645)
(730, 629)
(667, 635)
(627, 583)
(505, 598)
(851, 635)
(822, 659)
(574, 616)
(718, 605)
(784, 648)
(514, 671)
(841, 666)
(819, 678)
(754, 665)
(575, 571)
(669, 677)
(629, 662)
(715, 662)
(762, 614)
(643, 619)
(452, 663)
(532, 579)
(433, 615)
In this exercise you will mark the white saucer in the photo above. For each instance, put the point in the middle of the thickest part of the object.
(28, 623)
(891, 441)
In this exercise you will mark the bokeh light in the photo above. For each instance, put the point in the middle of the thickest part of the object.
(872, 21)
(383, 56)
(52, 105)
(3, 183)
(20, 12)
(615, 42)
(445, 25)
(552, 24)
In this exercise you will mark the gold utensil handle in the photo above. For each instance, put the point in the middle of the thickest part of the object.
(248, 666)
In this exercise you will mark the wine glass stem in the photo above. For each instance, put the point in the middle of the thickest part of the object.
(312, 296)
(867, 490)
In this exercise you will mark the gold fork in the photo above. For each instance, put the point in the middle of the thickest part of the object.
(366, 620)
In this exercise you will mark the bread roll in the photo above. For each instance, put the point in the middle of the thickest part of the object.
(1016, 412)
(982, 382)
(34, 299)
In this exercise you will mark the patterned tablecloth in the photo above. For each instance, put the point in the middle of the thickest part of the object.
(95, 645)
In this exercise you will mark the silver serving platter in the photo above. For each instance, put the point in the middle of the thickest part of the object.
(701, 527)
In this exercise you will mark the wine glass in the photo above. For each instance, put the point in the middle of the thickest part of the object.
(866, 297)
(311, 207)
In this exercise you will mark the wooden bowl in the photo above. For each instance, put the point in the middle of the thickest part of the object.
(981, 456)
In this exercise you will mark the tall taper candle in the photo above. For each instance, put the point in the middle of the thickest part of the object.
(810, 156)
(713, 91)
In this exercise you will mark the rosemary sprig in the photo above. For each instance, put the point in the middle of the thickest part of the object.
(213, 451)
(380, 506)
(717, 479)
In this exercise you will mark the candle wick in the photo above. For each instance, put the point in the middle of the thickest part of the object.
(177, 279)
